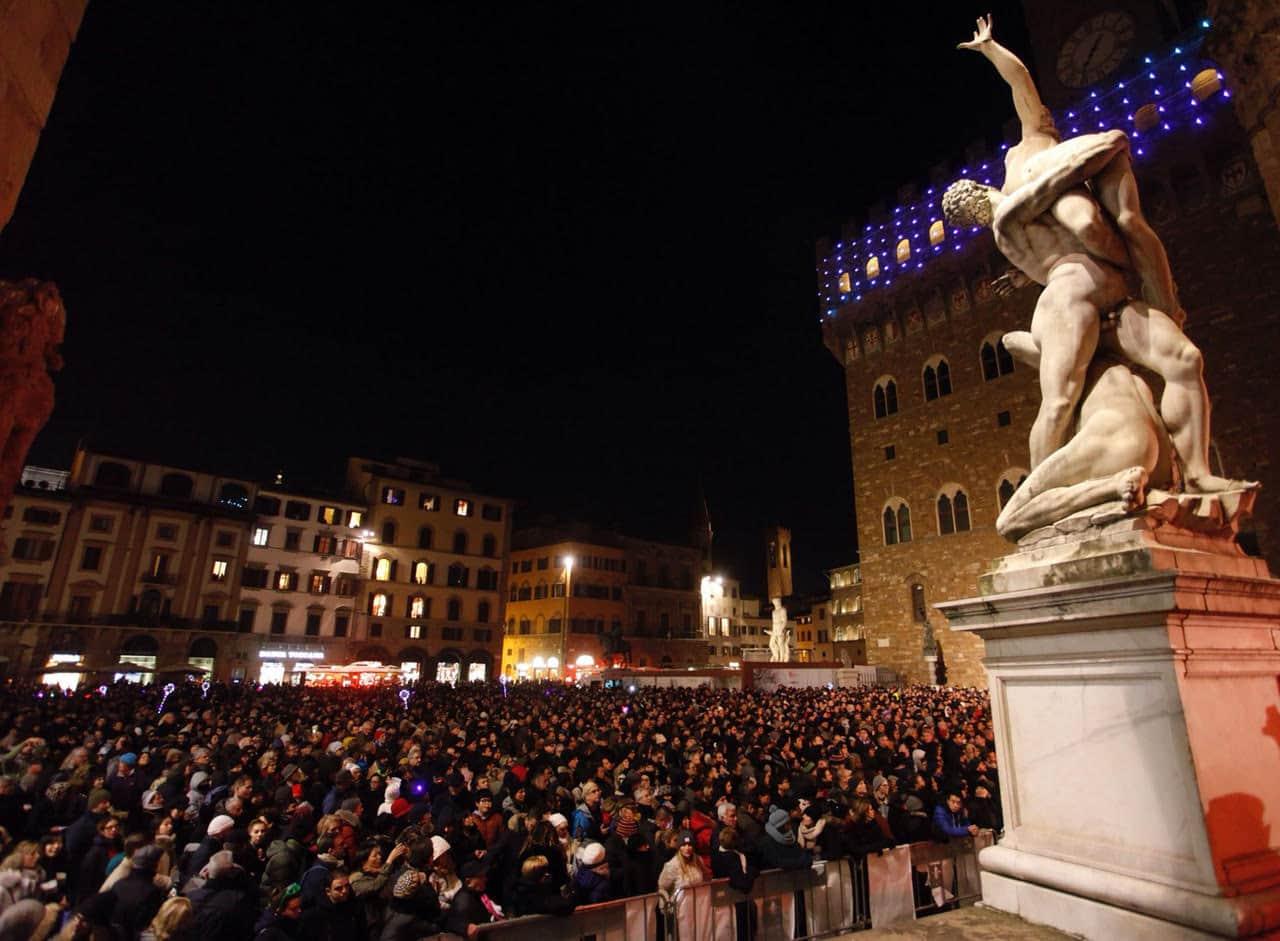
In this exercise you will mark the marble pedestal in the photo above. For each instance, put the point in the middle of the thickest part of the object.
(1134, 675)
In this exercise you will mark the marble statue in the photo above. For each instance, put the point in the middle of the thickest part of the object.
(1068, 218)
(32, 324)
(780, 635)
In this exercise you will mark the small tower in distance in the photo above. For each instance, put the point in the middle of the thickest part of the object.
(777, 572)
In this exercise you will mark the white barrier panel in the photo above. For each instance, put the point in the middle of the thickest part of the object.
(892, 896)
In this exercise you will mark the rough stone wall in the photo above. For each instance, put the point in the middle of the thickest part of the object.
(35, 38)
(1204, 194)
(1246, 41)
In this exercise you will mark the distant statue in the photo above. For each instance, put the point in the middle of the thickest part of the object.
(32, 324)
(1068, 218)
(779, 635)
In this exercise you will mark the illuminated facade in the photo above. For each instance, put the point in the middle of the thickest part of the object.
(646, 592)
(724, 629)
(434, 570)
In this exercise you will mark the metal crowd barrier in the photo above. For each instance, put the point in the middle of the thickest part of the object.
(831, 897)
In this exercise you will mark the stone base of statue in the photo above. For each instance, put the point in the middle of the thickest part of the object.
(1134, 666)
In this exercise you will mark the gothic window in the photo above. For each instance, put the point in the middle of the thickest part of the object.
(1010, 481)
(873, 268)
(903, 251)
(897, 523)
(937, 232)
(937, 378)
(996, 361)
(953, 511)
(885, 397)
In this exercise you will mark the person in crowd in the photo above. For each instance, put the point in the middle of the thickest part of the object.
(950, 821)
(336, 916)
(591, 880)
(779, 847)
(175, 922)
(682, 870)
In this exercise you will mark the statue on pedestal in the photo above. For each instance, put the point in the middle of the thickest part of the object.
(1068, 218)
(779, 635)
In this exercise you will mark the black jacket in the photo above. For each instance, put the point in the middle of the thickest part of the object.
(137, 901)
(224, 909)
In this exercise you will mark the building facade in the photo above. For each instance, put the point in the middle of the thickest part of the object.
(600, 585)
(939, 414)
(434, 570)
(723, 626)
(846, 614)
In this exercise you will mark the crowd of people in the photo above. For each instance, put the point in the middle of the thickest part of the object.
(246, 812)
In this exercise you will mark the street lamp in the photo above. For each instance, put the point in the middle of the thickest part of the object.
(564, 627)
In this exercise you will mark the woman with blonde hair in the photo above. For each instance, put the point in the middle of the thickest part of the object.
(172, 923)
(25, 858)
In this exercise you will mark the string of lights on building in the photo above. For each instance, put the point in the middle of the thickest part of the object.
(1175, 92)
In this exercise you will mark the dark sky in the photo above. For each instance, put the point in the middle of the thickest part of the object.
(565, 250)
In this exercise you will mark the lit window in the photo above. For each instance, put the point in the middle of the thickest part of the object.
(219, 569)
(462, 507)
(873, 267)
(846, 283)
(260, 534)
(415, 631)
(428, 501)
(421, 573)
(285, 580)
(903, 251)
(937, 232)
(382, 570)
(393, 496)
(417, 607)
(378, 605)
(329, 514)
(355, 518)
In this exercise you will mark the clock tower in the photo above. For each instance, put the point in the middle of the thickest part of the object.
(1077, 46)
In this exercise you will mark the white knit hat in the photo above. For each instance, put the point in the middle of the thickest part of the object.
(592, 855)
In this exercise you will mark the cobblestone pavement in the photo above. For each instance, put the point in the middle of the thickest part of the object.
(976, 923)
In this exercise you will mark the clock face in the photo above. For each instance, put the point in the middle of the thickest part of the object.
(1096, 49)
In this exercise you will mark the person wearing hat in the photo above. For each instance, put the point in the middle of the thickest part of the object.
(413, 909)
(778, 847)
(472, 905)
(137, 897)
(280, 920)
(682, 870)
(591, 881)
(213, 841)
(79, 836)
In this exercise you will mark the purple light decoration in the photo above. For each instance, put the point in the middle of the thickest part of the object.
(168, 691)
(102, 690)
(404, 698)
(204, 690)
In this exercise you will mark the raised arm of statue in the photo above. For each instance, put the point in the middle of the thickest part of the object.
(1035, 117)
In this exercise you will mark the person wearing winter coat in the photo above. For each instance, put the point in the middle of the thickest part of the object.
(591, 882)
(336, 916)
(729, 862)
(414, 908)
(682, 870)
(224, 906)
(533, 893)
(137, 897)
(950, 822)
(281, 921)
(92, 871)
(778, 847)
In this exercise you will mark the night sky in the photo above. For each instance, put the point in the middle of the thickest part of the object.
(564, 250)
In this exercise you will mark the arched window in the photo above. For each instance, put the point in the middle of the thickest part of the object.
(389, 533)
(417, 607)
(422, 572)
(953, 511)
(234, 496)
(885, 397)
(1010, 481)
(897, 522)
(482, 612)
(453, 611)
(459, 576)
(903, 251)
(937, 232)
(460, 542)
(846, 283)
(937, 378)
(384, 570)
(113, 475)
(996, 361)
(525, 626)
(873, 268)
(178, 486)
(489, 545)
(424, 537)
(378, 605)
(919, 610)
